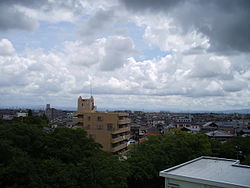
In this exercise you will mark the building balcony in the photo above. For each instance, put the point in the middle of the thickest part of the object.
(124, 121)
(121, 130)
(123, 114)
(79, 114)
(120, 138)
(117, 148)
(78, 121)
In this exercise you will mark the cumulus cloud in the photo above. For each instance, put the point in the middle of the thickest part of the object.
(116, 50)
(26, 14)
(211, 66)
(52, 76)
(162, 32)
(42, 75)
(100, 22)
(107, 54)
(147, 5)
(79, 54)
(235, 85)
(6, 47)
(225, 23)
(11, 18)
(197, 68)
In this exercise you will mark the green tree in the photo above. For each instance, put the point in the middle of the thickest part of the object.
(32, 157)
(160, 152)
(236, 148)
(30, 113)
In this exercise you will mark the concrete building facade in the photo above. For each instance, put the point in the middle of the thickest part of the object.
(109, 129)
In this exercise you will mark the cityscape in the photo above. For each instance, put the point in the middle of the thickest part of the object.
(125, 93)
(123, 132)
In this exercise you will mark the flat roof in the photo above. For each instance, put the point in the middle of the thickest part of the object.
(211, 171)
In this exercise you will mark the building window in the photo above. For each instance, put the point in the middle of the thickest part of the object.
(88, 127)
(98, 127)
(99, 118)
(110, 127)
(89, 118)
(172, 185)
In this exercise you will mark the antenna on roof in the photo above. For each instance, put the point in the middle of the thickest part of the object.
(90, 88)
(91, 92)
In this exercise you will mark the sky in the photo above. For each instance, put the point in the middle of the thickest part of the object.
(130, 54)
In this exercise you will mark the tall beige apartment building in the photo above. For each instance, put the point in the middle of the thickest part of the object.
(109, 129)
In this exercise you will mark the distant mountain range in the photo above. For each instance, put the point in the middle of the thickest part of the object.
(243, 111)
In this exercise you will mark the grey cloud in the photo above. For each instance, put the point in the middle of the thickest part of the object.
(29, 3)
(8, 80)
(205, 93)
(117, 49)
(10, 18)
(234, 86)
(205, 89)
(145, 5)
(225, 22)
(99, 23)
(47, 5)
(205, 68)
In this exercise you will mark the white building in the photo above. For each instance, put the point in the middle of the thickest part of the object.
(207, 172)
(21, 114)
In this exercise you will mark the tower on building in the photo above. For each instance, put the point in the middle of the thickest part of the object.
(109, 129)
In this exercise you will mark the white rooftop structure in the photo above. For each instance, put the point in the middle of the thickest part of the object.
(209, 172)
(219, 133)
(21, 114)
(208, 124)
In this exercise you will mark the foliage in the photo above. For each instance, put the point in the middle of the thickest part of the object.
(32, 157)
(30, 113)
(236, 148)
(161, 152)
(30, 120)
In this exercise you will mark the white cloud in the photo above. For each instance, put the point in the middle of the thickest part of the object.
(163, 32)
(6, 48)
(162, 82)
(107, 53)
(78, 53)
(43, 14)
(206, 66)
(26, 15)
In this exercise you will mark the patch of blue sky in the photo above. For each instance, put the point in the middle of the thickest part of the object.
(145, 51)
(46, 36)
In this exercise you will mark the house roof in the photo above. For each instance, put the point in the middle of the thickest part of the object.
(219, 133)
(211, 171)
(151, 133)
(226, 126)
(210, 124)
